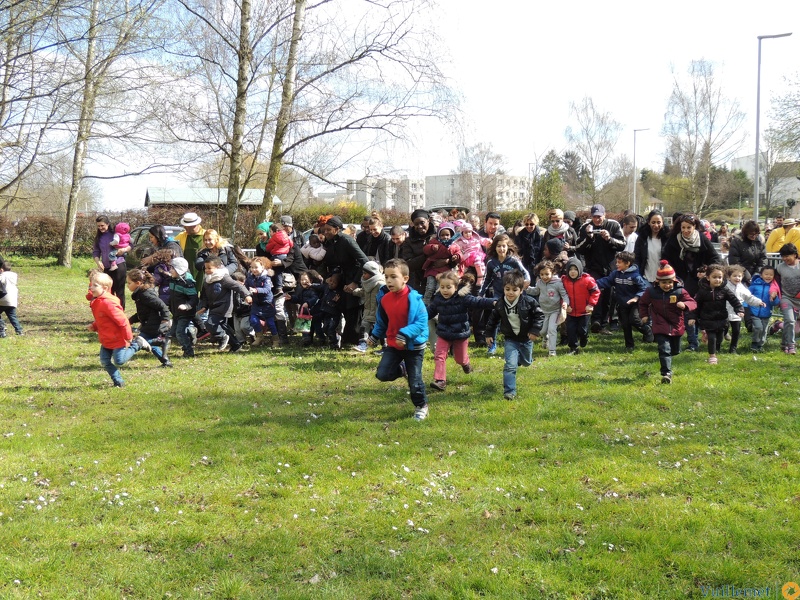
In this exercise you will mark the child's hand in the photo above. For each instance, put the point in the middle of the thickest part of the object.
(489, 341)
(184, 306)
(372, 341)
(533, 337)
(201, 311)
(763, 304)
(252, 290)
(589, 309)
(691, 322)
(645, 319)
(569, 309)
(773, 295)
(400, 341)
(249, 299)
(633, 300)
(90, 327)
(740, 315)
(681, 305)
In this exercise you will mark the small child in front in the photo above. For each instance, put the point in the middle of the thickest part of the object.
(712, 314)
(182, 304)
(262, 310)
(662, 306)
(112, 327)
(735, 276)
(402, 319)
(371, 282)
(453, 306)
(520, 320)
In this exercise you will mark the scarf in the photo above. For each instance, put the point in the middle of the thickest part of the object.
(690, 245)
(558, 231)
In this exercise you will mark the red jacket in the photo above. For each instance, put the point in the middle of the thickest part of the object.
(582, 291)
(279, 243)
(110, 322)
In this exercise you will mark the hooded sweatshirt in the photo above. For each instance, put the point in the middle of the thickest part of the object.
(582, 291)
(369, 292)
(551, 294)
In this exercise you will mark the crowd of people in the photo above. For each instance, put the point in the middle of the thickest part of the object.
(445, 279)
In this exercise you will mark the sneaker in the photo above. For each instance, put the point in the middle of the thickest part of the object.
(492, 349)
(791, 350)
(378, 352)
(732, 350)
(3, 334)
(596, 327)
(142, 343)
(712, 360)
(360, 347)
(666, 378)
(439, 384)
(629, 349)
(510, 396)
(119, 384)
(728, 337)
(606, 331)
(467, 368)
(584, 341)
(188, 353)
(421, 413)
(648, 338)
(235, 347)
(203, 337)
(574, 351)
(551, 353)
(167, 364)
(223, 344)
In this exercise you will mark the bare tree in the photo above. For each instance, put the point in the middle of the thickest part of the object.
(478, 167)
(594, 139)
(702, 127)
(785, 115)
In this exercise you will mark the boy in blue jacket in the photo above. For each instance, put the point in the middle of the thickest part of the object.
(402, 319)
(628, 286)
(764, 287)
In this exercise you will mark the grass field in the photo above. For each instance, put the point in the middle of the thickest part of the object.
(296, 474)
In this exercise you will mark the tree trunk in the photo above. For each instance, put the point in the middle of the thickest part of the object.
(81, 142)
(234, 176)
(284, 115)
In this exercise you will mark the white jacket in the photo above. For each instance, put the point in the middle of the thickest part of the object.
(744, 296)
(8, 282)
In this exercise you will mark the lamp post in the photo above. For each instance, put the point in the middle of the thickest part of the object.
(635, 131)
(758, 122)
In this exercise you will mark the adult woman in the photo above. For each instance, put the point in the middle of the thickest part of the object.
(160, 240)
(724, 234)
(529, 241)
(559, 228)
(100, 253)
(215, 247)
(748, 250)
(342, 253)
(375, 244)
(649, 244)
(419, 233)
(689, 252)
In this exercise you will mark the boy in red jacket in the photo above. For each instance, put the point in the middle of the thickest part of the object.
(112, 327)
(583, 296)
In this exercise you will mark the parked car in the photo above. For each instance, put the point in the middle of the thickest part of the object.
(141, 246)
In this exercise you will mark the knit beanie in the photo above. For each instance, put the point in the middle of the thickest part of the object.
(335, 222)
(181, 265)
(372, 267)
(665, 271)
(554, 246)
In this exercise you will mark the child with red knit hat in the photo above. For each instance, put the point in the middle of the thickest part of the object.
(662, 306)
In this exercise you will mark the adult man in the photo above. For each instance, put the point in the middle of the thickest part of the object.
(376, 244)
(398, 236)
(491, 226)
(629, 226)
(792, 233)
(342, 252)
(777, 238)
(295, 236)
(598, 243)
(191, 239)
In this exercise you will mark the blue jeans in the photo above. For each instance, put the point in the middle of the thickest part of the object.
(179, 325)
(11, 313)
(518, 354)
(389, 370)
(668, 346)
(113, 358)
(217, 326)
(691, 335)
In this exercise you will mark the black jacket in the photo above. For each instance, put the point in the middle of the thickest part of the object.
(411, 252)
(150, 312)
(531, 318)
(751, 255)
(598, 254)
(712, 313)
(686, 269)
(454, 313)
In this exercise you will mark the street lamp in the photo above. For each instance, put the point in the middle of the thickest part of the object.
(635, 131)
(758, 121)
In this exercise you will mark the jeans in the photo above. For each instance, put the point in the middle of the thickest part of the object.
(11, 313)
(760, 331)
(179, 326)
(440, 356)
(242, 327)
(788, 309)
(255, 322)
(577, 329)
(389, 370)
(691, 335)
(668, 346)
(217, 326)
(330, 323)
(518, 354)
(113, 358)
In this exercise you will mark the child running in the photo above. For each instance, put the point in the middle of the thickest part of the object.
(112, 327)
(735, 276)
(583, 295)
(789, 272)
(9, 297)
(662, 306)
(182, 305)
(217, 300)
(712, 314)
(262, 309)
(764, 287)
(628, 287)
(402, 319)
(552, 297)
(152, 315)
(453, 306)
(520, 321)
(371, 282)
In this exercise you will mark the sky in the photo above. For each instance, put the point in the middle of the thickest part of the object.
(518, 67)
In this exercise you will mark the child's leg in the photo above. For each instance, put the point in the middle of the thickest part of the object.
(214, 327)
(461, 352)
(665, 353)
(389, 366)
(759, 336)
(512, 351)
(440, 359)
(551, 323)
(2, 325)
(736, 328)
(413, 360)
(572, 332)
(109, 366)
(626, 322)
(787, 309)
(583, 329)
(691, 336)
(430, 289)
(11, 313)
(712, 335)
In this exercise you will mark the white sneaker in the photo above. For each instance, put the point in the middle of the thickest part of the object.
(421, 413)
(224, 342)
(143, 345)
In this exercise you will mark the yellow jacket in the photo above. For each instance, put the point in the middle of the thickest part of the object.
(181, 237)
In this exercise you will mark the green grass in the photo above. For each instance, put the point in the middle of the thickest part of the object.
(294, 474)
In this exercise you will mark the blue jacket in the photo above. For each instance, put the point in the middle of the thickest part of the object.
(760, 289)
(627, 284)
(416, 331)
(263, 288)
(493, 283)
(454, 314)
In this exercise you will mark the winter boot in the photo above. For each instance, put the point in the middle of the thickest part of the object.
(283, 333)
(259, 339)
(164, 358)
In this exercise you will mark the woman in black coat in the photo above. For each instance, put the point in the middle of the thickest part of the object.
(748, 250)
(649, 246)
(419, 233)
(690, 252)
(160, 240)
(342, 253)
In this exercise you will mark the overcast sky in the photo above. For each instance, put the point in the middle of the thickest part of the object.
(519, 64)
